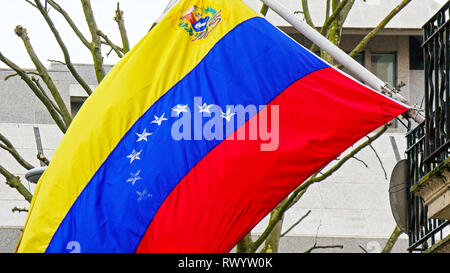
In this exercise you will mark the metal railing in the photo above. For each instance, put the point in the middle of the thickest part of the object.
(422, 232)
(436, 51)
(428, 144)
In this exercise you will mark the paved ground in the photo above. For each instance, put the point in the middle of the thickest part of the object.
(290, 244)
(8, 239)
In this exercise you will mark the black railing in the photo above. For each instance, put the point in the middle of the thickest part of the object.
(436, 51)
(428, 144)
(422, 232)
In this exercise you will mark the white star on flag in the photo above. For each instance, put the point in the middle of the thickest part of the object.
(134, 156)
(144, 195)
(205, 108)
(143, 136)
(228, 115)
(159, 120)
(134, 178)
(180, 109)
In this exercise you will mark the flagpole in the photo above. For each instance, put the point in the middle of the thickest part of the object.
(164, 13)
(340, 56)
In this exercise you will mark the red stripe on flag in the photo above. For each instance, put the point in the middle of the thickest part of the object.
(233, 187)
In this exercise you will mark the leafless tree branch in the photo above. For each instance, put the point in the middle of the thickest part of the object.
(19, 210)
(96, 41)
(362, 161)
(17, 74)
(122, 29)
(47, 103)
(379, 160)
(315, 246)
(14, 182)
(56, 61)
(41, 157)
(71, 23)
(327, 24)
(6, 145)
(365, 41)
(22, 33)
(306, 14)
(392, 240)
(264, 9)
(38, 84)
(295, 224)
(297, 198)
(63, 47)
(108, 42)
(31, 3)
(363, 249)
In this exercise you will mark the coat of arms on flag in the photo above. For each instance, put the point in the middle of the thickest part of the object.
(199, 21)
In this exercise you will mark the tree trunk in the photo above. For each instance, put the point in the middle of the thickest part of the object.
(273, 240)
(392, 240)
(244, 245)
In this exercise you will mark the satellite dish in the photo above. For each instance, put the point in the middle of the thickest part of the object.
(398, 194)
(35, 174)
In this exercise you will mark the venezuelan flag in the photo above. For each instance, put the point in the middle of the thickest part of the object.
(120, 181)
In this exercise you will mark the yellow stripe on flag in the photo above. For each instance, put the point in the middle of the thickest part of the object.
(160, 60)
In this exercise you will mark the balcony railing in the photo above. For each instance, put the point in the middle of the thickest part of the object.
(428, 144)
(422, 232)
(436, 51)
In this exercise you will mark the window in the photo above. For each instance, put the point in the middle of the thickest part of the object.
(75, 104)
(360, 58)
(416, 61)
(384, 65)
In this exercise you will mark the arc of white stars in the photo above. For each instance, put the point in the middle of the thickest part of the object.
(134, 156)
(134, 177)
(143, 136)
(159, 120)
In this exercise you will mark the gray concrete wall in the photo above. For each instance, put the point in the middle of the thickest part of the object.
(18, 104)
(417, 86)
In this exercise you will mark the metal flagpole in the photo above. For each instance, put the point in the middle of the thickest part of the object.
(343, 58)
(167, 9)
(164, 13)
